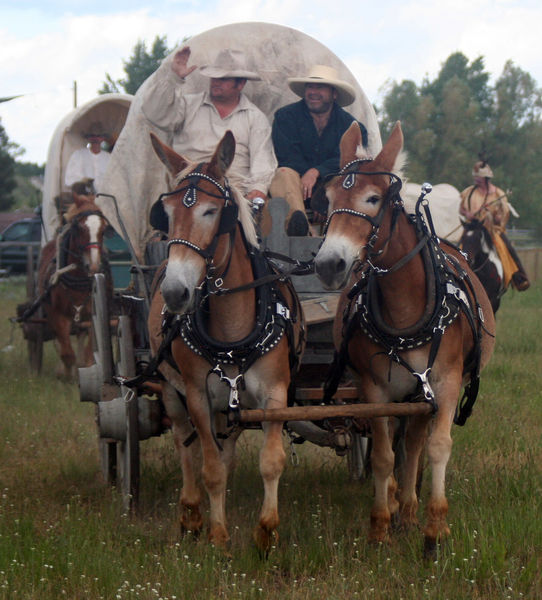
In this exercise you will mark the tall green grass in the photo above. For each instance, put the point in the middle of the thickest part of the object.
(63, 533)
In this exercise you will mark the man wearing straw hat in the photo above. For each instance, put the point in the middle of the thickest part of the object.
(306, 137)
(91, 161)
(197, 122)
(487, 203)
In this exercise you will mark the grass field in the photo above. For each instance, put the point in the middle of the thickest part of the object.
(63, 533)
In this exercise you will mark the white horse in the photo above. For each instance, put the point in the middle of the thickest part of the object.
(444, 203)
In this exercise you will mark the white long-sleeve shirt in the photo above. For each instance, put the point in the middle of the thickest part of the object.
(84, 164)
(195, 127)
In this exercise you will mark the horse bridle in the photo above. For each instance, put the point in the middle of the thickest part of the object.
(228, 216)
(349, 172)
(81, 247)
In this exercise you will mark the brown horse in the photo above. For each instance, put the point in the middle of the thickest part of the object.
(410, 324)
(235, 331)
(65, 272)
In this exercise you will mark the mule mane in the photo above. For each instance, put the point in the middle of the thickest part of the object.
(245, 213)
(398, 167)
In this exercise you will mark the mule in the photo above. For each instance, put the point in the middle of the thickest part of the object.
(477, 244)
(235, 331)
(414, 323)
(66, 267)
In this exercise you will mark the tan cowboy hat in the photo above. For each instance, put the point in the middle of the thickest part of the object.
(95, 129)
(482, 169)
(229, 63)
(346, 94)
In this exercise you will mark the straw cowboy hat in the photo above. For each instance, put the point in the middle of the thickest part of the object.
(229, 63)
(482, 169)
(95, 129)
(346, 94)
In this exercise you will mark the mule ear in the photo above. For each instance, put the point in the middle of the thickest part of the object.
(350, 141)
(390, 153)
(173, 162)
(223, 156)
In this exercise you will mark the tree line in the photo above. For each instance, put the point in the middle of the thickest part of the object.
(448, 122)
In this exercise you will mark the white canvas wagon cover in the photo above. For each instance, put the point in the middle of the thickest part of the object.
(136, 177)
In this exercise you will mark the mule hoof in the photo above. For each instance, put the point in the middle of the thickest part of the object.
(265, 540)
(430, 549)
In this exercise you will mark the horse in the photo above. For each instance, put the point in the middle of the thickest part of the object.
(484, 260)
(234, 332)
(413, 323)
(444, 202)
(65, 270)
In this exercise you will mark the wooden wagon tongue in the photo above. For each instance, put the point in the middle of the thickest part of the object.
(316, 413)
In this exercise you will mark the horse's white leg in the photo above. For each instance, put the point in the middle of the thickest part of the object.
(382, 465)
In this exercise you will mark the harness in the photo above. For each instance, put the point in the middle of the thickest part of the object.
(274, 318)
(448, 288)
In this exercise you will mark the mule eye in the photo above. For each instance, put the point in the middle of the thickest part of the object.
(373, 199)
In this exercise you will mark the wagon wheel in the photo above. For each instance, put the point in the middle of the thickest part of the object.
(34, 333)
(103, 357)
(128, 450)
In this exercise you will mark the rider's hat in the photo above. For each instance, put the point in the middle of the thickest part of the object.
(346, 94)
(229, 63)
(482, 169)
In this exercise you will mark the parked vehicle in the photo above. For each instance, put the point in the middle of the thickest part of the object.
(13, 259)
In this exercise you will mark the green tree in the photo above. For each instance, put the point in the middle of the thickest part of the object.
(7, 170)
(138, 67)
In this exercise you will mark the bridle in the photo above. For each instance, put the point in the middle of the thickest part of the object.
(228, 216)
(349, 172)
(79, 250)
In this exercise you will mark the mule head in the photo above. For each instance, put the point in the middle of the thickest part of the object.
(358, 198)
(196, 214)
(86, 232)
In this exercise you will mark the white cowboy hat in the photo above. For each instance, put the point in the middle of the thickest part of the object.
(229, 63)
(346, 94)
(482, 169)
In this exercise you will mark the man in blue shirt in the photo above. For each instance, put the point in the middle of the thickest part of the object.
(306, 137)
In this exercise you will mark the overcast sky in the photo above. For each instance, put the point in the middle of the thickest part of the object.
(46, 46)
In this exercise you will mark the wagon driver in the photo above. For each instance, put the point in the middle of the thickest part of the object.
(197, 122)
(487, 203)
(306, 137)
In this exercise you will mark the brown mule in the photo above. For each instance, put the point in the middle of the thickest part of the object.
(67, 264)
(373, 249)
(228, 352)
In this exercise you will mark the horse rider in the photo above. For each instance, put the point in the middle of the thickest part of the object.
(91, 161)
(487, 203)
(195, 123)
(306, 137)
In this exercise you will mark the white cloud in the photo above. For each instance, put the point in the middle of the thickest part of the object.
(42, 54)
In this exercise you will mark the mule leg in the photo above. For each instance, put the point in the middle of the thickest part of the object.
(214, 469)
(382, 465)
(439, 449)
(62, 327)
(415, 436)
(272, 460)
(190, 457)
